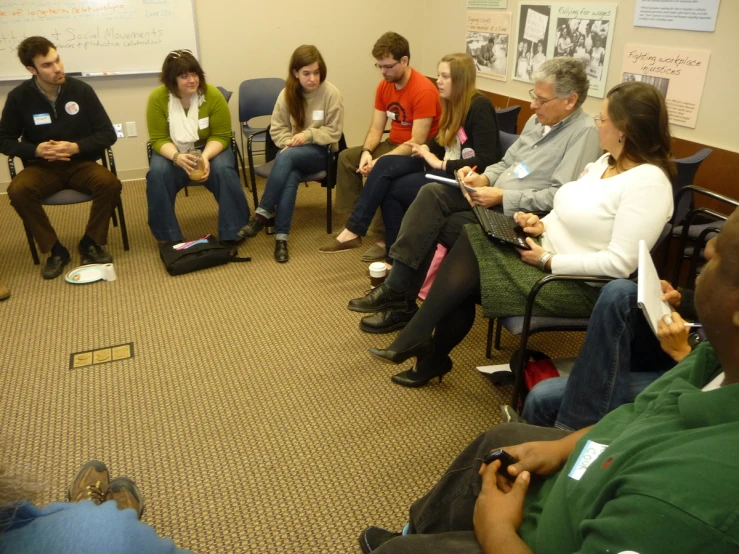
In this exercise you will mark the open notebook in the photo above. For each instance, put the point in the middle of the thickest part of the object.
(649, 290)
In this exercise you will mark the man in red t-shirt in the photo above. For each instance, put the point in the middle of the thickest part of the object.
(411, 102)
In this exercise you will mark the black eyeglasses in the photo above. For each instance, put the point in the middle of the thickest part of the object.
(178, 53)
(388, 66)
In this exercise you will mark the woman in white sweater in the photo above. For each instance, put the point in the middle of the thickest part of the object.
(308, 115)
(594, 229)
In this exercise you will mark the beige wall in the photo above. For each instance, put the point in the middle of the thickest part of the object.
(716, 125)
(244, 39)
(247, 39)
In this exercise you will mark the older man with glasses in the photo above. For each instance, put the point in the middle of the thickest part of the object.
(556, 144)
(411, 102)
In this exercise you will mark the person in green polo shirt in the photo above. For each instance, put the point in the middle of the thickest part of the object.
(659, 475)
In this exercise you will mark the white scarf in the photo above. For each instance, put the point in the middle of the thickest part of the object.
(183, 128)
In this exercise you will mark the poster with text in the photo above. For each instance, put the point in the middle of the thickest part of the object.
(477, 4)
(531, 46)
(585, 33)
(687, 15)
(487, 42)
(678, 73)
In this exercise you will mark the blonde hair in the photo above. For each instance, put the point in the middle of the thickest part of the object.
(455, 108)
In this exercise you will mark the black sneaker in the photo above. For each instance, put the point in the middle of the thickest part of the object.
(54, 265)
(373, 538)
(252, 228)
(379, 298)
(387, 321)
(281, 254)
(94, 254)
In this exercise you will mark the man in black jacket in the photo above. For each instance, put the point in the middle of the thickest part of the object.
(63, 129)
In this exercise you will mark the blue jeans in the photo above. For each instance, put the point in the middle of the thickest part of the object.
(399, 177)
(619, 358)
(164, 180)
(81, 528)
(290, 167)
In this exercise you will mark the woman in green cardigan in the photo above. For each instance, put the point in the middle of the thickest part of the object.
(186, 114)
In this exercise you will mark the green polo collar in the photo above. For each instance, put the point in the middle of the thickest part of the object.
(705, 409)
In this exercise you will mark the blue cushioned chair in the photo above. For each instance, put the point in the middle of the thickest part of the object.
(69, 196)
(257, 98)
(508, 119)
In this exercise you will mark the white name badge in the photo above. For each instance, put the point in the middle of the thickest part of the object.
(203, 123)
(520, 170)
(589, 454)
(390, 114)
(42, 119)
(317, 115)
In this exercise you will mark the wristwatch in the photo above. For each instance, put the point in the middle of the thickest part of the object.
(366, 150)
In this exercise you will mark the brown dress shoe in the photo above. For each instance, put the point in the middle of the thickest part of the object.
(4, 292)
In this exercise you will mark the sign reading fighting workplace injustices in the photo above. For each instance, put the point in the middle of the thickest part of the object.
(678, 73)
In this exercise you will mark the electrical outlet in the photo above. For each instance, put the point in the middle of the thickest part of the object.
(118, 130)
(131, 128)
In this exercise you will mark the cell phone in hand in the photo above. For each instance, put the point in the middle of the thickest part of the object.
(505, 460)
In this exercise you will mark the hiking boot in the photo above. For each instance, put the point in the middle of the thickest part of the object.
(91, 483)
(126, 495)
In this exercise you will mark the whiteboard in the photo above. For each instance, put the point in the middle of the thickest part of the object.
(96, 37)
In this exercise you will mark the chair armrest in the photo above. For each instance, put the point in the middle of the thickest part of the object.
(251, 137)
(706, 192)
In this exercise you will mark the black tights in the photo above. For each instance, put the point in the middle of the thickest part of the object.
(449, 307)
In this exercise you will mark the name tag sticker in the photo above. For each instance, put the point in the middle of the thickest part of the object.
(461, 135)
(391, 115)
(42, 119)
(317, 115)
(203, 123)
(468, 153)
(589, 454)
(520, 170)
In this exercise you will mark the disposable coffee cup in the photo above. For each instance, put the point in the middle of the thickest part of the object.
(377, 272)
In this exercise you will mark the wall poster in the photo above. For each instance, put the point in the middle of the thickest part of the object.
(487, 42)
(583, 32)
(678, 73)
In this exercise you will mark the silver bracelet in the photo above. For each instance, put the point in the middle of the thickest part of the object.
(545, 257)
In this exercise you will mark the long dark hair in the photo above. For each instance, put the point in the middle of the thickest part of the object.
(638, 110)
(307, 54)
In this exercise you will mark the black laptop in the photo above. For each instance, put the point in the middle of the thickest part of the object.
(500, 227)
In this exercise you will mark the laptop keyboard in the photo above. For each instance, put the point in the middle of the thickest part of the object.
(498, 225)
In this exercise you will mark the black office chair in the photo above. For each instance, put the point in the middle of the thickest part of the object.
(528, 324)
(69, 196)
(327, 177)
(693, 235)
(508, 119)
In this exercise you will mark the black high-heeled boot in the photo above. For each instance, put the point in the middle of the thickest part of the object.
(414, 378)
(419, 350)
